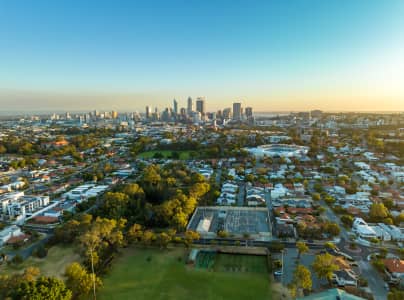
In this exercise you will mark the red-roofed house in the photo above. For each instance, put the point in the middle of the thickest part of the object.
(394, 269)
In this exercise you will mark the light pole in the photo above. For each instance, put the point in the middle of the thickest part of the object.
(282, 267)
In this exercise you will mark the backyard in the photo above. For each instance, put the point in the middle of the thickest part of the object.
(162, 274)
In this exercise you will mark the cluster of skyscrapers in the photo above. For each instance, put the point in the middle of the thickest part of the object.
(194, 112)
(198, 113)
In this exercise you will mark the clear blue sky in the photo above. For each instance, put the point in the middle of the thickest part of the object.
(273, 55)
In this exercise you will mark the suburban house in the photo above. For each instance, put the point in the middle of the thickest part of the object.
(394, 268)
(8, 233)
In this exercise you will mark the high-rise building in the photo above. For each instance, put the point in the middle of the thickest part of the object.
(114, 114)
(189, 106)
(249, 115)
(226, 113)
(148, 112)
(248, 112)
(237, 111)
(175, 107)
(200, 105)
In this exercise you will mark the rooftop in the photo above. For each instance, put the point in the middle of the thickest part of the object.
(394, 265)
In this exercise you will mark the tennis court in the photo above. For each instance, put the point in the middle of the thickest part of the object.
(222, 262)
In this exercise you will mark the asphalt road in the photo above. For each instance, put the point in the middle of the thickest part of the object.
(366, 270)
(241, 194)
(375, 281)
(27, 251)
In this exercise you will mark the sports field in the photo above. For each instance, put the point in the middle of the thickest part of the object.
(220, 262)
(162, 274)
(183, 155)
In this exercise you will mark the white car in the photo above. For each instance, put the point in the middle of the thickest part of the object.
(278, 273)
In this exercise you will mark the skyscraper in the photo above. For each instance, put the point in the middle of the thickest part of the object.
(237, 111)
(148, 112)
(226, 113)
(200, 105)
(189, 106)
(248, 112)
(249, 115)
(175, 107)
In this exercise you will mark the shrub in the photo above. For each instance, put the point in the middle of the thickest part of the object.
(41, 252)
(17, 259)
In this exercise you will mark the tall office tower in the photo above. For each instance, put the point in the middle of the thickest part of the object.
(87, 118)
(200, 105)
(236, 111)
(249, 115)
(183, 112)
(189, 106)
(148, 112)
(175, 107)
(219, 114)
(114, 114)
(226, 114)
(166, 115)
(248, 112)
(96, 114)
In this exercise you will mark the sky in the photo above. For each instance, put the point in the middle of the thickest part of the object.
(286, 55)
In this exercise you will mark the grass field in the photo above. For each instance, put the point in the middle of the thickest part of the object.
(166, 277)
(241, 263)
(54, 264)
(184, 155)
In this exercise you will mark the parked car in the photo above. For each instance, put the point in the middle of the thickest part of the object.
(278, 273)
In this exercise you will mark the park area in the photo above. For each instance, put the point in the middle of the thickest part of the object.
(54, 264)
(158, 154)
(163, 274)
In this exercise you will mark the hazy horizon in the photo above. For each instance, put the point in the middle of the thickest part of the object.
(270, 55)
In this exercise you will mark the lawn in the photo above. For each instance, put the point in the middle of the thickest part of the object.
(241, 263)
(184, 155)
(54, 264)
(165, 276)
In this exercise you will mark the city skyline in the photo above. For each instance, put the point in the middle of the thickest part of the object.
(272, 55)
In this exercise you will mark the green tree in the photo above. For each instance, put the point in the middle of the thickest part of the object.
(329, 245)
(163, 239)
(347, 220)
(148, 237)
(302, 278)
(190, 236)
(395, 295)
(324, 266)
(316, 196)
(42, 288)
(114, 205)
(2, 149)
(79, 280)
(332, 228)
(378, 212)
(135, 233)
(104, 236)
(301, 248)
